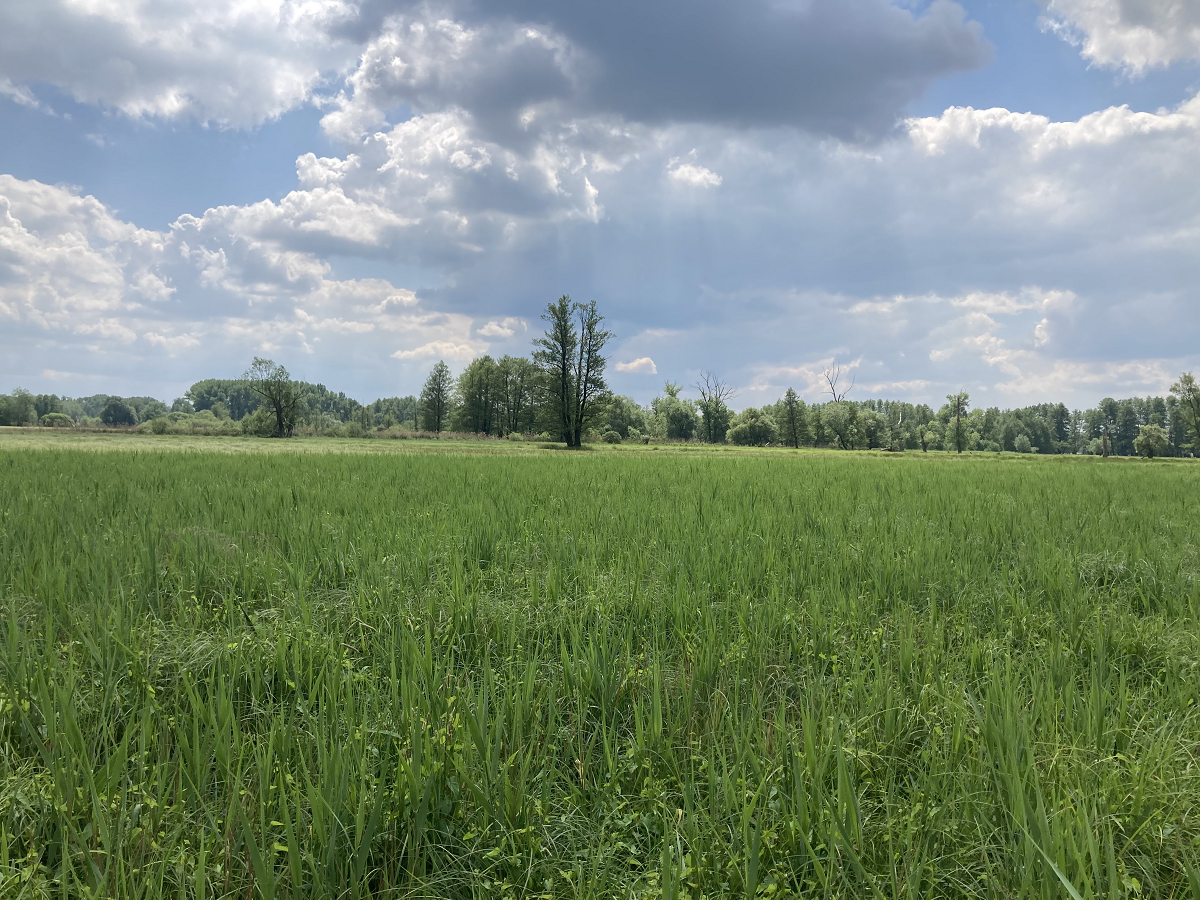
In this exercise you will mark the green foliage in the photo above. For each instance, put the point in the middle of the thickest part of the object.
(117, 412)
(476, 401)
(753, 428)
(436, 398)
(56, 420)
(611, 437)
(622, 414)
(596, 675)
(18, 408)
(1187, 392)
(673, 418)
(260, 423)
(1151, 441)
(840, 421)
(1021, 444)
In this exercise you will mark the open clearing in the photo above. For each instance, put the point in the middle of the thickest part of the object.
(494, 671)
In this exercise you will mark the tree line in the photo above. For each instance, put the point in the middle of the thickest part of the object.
(560, 392)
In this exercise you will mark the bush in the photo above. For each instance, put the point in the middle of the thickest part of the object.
(260, 423)
(117, 412)
(513, 436)
(611, 437)
(1022, 445)
(159, 425)
(753, 428)
(1152, 441)
(56, 420)
(352, 430)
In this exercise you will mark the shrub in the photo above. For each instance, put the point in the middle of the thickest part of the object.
(159, 425)
(1021, 444)
(56, 420)
(260, 423)
(753, 428)
(117, 412)
(611, 437)
(353, 430)
(1152, 441)
(513, 436)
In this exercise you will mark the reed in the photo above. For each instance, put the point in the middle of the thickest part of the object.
(541, 674)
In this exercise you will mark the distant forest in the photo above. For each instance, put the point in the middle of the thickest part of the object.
(479, 404)
(559, 392)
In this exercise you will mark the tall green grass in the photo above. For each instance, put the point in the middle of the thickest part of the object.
(597, 675)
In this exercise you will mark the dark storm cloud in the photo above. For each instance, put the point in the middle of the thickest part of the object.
(845, 67)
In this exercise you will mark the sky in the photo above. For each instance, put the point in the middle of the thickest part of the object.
(1001, 196)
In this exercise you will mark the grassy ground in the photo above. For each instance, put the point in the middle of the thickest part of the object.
(360, 668)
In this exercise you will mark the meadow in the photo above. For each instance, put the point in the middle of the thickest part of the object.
(286, 669)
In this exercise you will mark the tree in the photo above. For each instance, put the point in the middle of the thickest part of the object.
(715, 395)
(570, 357)
(841, 421)
(271, 381)
(674, 418)
(832, 376)
(434, 403)
(516, 380)
(957, 406)
(117, 412)
(1152, 441)
(1187, 392)
(623, 413)
(17, 409)
(753, 428)
(476, 396)
(794, 420)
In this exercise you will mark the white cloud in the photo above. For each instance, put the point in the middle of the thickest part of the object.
(1131, 34)
(691, 174)
(440, 349)
(234, 62)
(643, 365)
(503, 328)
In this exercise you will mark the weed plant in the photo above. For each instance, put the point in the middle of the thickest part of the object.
(597, 675)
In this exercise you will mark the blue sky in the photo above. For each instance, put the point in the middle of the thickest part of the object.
(1001, 196)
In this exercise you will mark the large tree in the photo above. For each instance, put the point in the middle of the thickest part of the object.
(1187, 391)
(570, 357)
(434, 403)
(273, 384)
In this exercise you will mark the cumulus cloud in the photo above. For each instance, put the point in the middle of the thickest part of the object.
(733, 186)
(227, 61)
(833, 66)
(440, 349)
(1134, 35)
(503, 328)
(691, 174)
(643, 365)
(211, 291)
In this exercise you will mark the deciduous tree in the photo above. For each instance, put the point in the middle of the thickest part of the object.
(715, 395)
(273, 384)
(570, 356)
(1187, 391)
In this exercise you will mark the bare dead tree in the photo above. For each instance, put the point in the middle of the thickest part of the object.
(832, 376)
(714, 397)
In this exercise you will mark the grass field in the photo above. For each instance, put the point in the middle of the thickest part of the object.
(496, 671)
